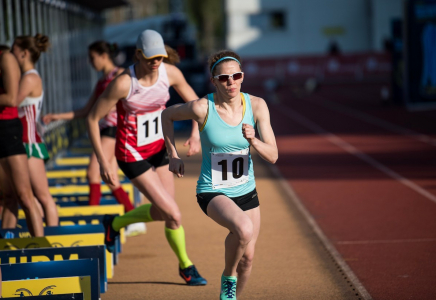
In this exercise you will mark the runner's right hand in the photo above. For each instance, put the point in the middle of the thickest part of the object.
(106, 173)
(48, 118)
(177, 167)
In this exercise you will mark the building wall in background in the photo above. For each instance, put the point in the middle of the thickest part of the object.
(261, 28)
(383, 12)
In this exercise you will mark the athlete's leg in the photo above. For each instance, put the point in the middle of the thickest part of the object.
(162, 207)
(94, 179)
(226, 213)
(10, 203)
(39, 207)
(167, 179)
(108, 145)
(246, 262)
(39, 181)
(18, 170)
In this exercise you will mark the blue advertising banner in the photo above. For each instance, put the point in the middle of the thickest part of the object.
(61, 230)
(52, 269)
(59, 254)
(53, 297)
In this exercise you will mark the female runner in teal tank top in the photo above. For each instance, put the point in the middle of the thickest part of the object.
(226, 189)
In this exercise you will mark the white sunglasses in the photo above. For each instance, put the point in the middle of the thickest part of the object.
(225, 77)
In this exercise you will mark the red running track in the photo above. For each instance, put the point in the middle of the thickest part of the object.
(367, 174)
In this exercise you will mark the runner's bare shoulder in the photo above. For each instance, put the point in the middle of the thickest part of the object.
(120, 86)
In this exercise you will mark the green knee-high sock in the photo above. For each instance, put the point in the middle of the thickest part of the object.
(176, 239)
(139, 214)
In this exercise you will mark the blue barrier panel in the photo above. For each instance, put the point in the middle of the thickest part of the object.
(61, 230)
(77, 220)
(53, 230)
(59, 254)
(52, 269)
(53, 297)
(71, 220)
(103, 202)
(59, 198)
(78, 181)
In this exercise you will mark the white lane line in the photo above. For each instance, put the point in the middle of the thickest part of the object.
(323, 238)
(385, 241)
(334, 139)
(373, 120)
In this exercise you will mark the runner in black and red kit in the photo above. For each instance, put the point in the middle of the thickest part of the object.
(13, 157)
(101, 55)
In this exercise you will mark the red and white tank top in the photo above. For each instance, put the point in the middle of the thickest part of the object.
(139, 130)
(29, 112)
(6, 112)
(110, 120)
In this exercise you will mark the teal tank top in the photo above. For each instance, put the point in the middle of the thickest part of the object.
(227, 166)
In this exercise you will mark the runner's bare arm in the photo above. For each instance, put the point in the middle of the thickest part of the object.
(11, 78)
(117, 89)
(266, 146)
(70, 115)
(195, 110)
(178, 82)
(27, 84)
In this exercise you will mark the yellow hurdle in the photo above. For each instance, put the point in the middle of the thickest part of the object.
(87, 211)
(78, 173)
(73, 161)
(84, 189)
(48, 286)
(70, 240)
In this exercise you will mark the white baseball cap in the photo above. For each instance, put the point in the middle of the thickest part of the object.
(151, 43)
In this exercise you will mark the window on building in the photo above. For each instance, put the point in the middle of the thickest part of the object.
(268, 21)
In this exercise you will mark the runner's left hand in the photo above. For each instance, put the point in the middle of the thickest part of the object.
(194, 145)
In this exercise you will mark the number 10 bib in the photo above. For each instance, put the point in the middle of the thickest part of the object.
(149, 128)
(229, 169)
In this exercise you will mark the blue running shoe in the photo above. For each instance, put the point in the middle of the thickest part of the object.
(109, 233)
(191, 276)
(228, 287)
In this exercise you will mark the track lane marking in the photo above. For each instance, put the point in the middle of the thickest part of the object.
(373, 120)
(334, 139)
(318, 231)
(430, 240)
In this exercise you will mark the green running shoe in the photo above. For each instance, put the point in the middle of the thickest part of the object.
(228, 287)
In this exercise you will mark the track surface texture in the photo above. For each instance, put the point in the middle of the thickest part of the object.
(365, 171)
(290, 262)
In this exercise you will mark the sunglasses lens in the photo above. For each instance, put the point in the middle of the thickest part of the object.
(223, 78)
(237, 76)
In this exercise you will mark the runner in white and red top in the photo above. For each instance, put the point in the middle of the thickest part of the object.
(14, 171)
(139, 134)
(29, 111)
(101, 56)
(140, 94)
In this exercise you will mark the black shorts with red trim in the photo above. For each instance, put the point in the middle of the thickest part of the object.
(134, 169)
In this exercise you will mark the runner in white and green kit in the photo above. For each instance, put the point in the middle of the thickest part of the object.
(27, 50)
(226, 189)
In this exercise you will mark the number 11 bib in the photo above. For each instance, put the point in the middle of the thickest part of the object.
(149, 128)
(229, 169)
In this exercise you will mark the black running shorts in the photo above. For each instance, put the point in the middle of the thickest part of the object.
(245, 202)
(109, 131)
(11, 138)
(134, 169)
